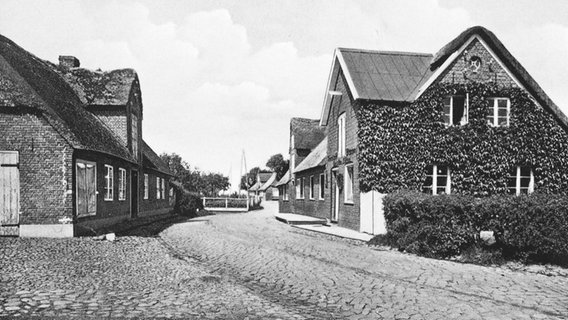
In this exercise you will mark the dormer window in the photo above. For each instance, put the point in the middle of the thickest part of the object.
(499, 112)
(456, 110)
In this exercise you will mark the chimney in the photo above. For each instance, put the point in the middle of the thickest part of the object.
(69, 62)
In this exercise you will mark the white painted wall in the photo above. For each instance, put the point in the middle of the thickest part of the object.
(372, 213)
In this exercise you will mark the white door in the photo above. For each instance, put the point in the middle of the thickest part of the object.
(9, 192)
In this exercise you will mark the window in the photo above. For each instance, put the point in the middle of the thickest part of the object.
(109, 183)
(121, 184)
(322, 186)
(437, 180)
(158, 184)
(521, 180)
(285, 192)
(146, 187)
(86, 184)
(348, 184)
(456, 110)
(135, 136)
(163, 189)
(499, 112)
(341, 135)
(300, 188)
(312, 187)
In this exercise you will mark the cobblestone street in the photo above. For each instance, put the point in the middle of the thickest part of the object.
(239, 266)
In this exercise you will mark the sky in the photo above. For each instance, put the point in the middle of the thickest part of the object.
(219, 77)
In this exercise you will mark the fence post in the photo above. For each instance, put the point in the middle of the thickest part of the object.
(203, 202)
(226, 203)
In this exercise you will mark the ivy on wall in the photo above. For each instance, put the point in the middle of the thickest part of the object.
(396, 144)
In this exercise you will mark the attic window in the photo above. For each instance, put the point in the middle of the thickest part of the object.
(456, 110)
(499, 112)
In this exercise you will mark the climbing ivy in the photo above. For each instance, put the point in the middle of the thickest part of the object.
(397, 143)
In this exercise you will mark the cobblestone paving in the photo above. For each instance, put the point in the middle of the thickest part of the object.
(249, 266)
(324, 277)
(133, 277)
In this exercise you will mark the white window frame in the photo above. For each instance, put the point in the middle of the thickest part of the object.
(109, 183)
(312, 186)
(146, 187)
(518, 188)
(321, 186)
(348, 184)
(158, 195)
(465, 118)
(495, 109)
(163, 189)
(434, 175)
(300, 188)
(341, 135)
(121, 184)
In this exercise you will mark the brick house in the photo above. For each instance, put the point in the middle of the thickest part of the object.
(306, 135)
(469, 119)
(71, 150)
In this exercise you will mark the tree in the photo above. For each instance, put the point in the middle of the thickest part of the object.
(249, 179)
(196, 181)
(277, 164)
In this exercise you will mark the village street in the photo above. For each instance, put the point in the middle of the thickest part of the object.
(249, 266)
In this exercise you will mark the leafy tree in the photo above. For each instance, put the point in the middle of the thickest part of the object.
(249, 179)
(277, 164)
(196, 181)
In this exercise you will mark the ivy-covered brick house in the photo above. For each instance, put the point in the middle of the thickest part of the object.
(468, 120)
(71, 150)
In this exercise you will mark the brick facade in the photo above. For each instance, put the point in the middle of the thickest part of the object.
(115, 118)
(45, 166)
(153, 205)
(315, 206)
(348, 213)
(490, 70)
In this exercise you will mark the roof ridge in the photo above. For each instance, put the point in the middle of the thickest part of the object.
(408, 53)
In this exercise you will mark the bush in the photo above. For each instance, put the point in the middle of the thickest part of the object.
(187, 204)
(533, 227)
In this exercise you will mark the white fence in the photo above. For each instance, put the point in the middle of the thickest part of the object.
(226, 204)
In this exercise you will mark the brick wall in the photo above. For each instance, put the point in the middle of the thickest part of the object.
(115, 118)
(153, 204)
(348, 213)
(490, 70)
(284, 205)
(108, 209)
(315, 207)
(45, 166)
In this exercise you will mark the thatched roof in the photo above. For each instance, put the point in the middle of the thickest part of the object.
(316, 158)
(30, 82)
(510, 62)
(307, 133)
(284, 180)
(268, 182)
(153, 161)
(98, 88)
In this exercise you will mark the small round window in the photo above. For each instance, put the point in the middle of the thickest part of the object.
(475, 63)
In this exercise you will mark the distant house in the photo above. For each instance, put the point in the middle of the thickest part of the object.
(469, 120)
(71, 149)
(306, 135)
(268, 189)
(260, 188)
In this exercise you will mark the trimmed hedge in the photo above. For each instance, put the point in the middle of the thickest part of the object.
(187, 204)
(533, 227)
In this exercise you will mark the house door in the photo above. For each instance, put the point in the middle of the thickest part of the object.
(86, 179)
(9, 193)
(335, 210)
(134, 194)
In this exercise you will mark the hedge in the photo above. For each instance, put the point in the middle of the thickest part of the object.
(528, 227)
